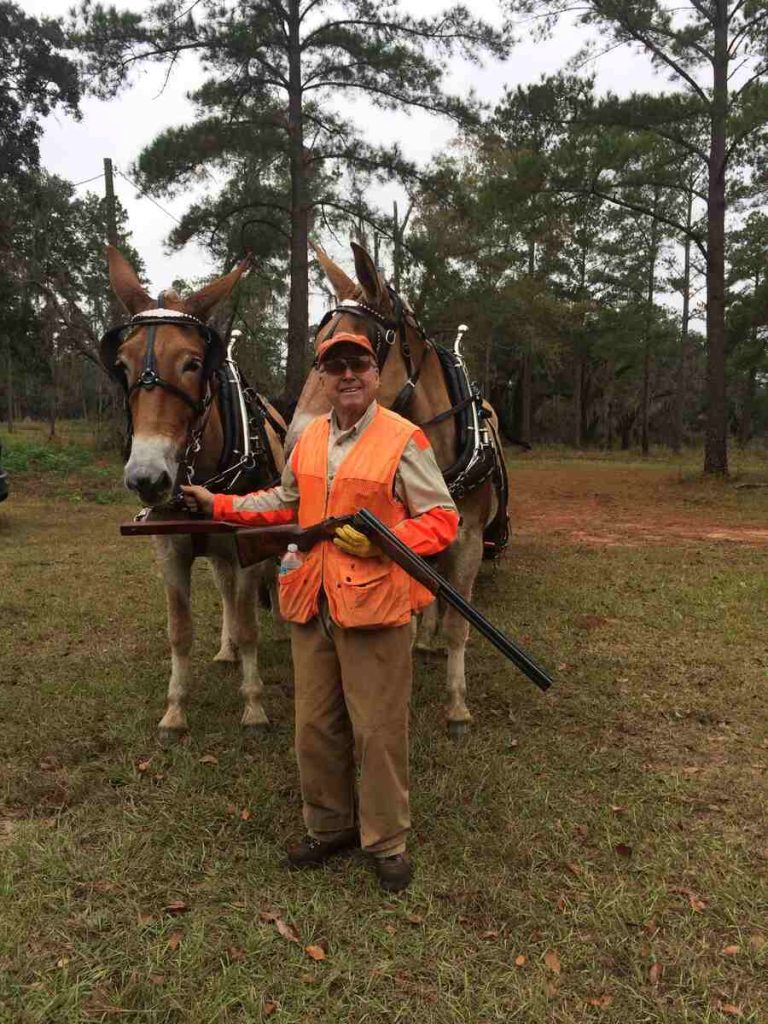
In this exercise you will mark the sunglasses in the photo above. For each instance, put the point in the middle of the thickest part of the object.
(338, 366)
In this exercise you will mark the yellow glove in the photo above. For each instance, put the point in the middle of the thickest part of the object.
(352, 542)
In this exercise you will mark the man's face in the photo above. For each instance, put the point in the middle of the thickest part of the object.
(351, 391)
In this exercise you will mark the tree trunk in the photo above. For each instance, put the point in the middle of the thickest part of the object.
(608, 406)
(678, 423)
(524, 433)
(747, 403)
(298, 298)
(651, 291)
(9, 387)
(578, 403)
(716, 437)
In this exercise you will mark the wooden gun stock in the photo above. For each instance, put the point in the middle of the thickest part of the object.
(262, 541)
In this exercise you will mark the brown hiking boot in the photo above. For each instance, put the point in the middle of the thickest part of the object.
(394, 873)
(311, 853)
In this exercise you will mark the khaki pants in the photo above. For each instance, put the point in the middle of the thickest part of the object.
(353, 688)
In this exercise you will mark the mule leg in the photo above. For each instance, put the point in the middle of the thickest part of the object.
(426, 633)
(177, 574)
(246, 624)
(462, 564)
(224, 574)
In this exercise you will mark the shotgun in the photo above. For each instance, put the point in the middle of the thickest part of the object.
(254, 545)
(250, 546)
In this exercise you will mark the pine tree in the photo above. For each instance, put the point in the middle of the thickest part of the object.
(715, 51)
(274, 64)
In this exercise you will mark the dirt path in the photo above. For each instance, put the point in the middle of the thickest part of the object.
(609, 505)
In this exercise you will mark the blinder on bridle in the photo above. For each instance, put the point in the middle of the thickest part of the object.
(149, 378)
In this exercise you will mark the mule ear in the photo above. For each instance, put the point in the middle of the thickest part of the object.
(344, 287)
(202, 302)
(371, 280)
(125, 284)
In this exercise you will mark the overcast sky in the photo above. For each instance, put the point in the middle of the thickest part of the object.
(121, 128)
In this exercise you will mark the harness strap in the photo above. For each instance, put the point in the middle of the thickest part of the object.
(441, 416)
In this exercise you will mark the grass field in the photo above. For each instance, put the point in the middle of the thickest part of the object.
(596, 854)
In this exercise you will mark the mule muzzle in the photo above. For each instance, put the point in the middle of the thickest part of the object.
(153, 488)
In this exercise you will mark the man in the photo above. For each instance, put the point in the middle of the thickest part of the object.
(350, 607)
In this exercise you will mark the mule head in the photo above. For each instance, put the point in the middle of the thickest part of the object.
(181, 354)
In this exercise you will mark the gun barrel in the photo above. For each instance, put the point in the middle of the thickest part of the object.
(413, 564)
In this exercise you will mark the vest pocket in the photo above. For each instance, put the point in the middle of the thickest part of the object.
(296, 595)
(369, 597)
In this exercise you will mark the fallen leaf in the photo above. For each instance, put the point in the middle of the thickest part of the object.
(143, 764)
(552, 961)
(729, 1008)
(573, 868)
(209, 759)
(520, 960)
(415, 919)
(235, 954)
(655, 973)
(696, 903)
(269, 1008)
(286, 930)
(174, 939)
(245, 814)
(176, 907)
(490, 934)
(315, 952)
(63, 961)
(730, 950)
(757, 941)
(231, 809)
(156, 979)
(623, 850)
(600, 1001)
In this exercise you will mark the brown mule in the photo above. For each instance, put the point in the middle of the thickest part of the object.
(369, 306)
(178, 404)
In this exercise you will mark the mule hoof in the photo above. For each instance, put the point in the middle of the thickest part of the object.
(457, 730)
(255, 732)
(229, 657)
(170, 737)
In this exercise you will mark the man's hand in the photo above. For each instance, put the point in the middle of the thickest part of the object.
(198, 499)
(352, 542)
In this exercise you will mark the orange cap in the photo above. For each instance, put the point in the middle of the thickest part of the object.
(344, 336)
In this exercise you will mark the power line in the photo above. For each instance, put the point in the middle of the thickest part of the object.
(146, 195)
(86, 181)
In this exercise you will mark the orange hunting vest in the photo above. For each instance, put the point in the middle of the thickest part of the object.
(361, 592)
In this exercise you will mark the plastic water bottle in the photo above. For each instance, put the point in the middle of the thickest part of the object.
(291, 560)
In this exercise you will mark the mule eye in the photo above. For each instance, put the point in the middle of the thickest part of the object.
(191, 366)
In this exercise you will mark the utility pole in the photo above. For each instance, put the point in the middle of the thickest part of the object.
(395, 248)
(111, 218)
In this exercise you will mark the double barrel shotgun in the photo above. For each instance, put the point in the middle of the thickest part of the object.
(254, 545)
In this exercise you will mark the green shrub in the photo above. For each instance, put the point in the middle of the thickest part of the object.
(27, 456)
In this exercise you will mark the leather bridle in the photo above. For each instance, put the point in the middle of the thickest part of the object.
(149, 378)
(388, 331)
